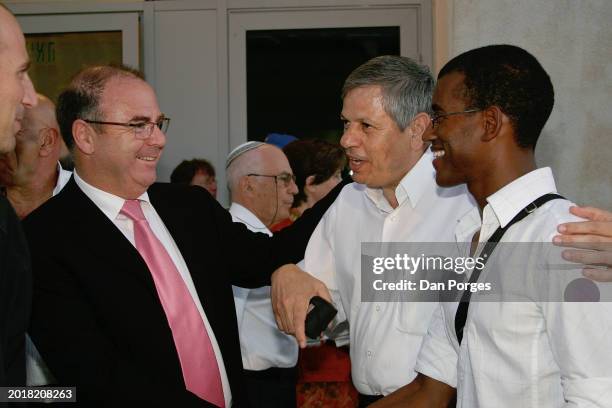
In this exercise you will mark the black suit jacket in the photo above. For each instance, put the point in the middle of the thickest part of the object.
(15, 295)
(97, 319)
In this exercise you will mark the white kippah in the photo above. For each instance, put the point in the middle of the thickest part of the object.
(240, 150)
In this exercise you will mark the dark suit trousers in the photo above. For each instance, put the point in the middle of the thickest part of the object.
(272, 388)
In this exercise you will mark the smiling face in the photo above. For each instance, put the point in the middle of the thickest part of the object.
(379, 153)
(120, 163)
(455, 140)
(16, 89)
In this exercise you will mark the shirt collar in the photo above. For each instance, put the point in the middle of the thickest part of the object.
(412, 186)
(513, 197)
(468, 225)
(505, 203)
(245, 215)
(63, 176)
(110, 204)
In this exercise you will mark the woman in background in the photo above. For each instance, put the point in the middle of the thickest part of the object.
(196, 172)
(324, 369)
(317, 166)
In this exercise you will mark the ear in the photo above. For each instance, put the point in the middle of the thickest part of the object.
(83, 136)
(48, 141)
(309, 184)
(493, 120)
(417, 128)
(245, 185)
(309, 180)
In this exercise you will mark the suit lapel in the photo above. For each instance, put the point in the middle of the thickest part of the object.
(106, 244)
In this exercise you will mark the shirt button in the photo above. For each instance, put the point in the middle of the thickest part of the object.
(378, 308)
(369, 353)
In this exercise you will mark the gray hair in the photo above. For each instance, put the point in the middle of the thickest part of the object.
(236, 165)
(406, 86)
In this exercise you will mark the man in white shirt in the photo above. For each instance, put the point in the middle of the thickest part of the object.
(394, 198)
(490, 105)
(261, 186)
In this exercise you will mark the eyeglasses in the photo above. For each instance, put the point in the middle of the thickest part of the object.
(142, 130)
(436, 118)
(286, 178)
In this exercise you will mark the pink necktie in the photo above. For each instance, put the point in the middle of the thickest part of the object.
(198, 362)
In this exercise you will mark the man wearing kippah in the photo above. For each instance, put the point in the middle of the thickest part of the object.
(261, 186)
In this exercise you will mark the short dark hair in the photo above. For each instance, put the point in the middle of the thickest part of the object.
(313, 157)
(184, 172)
(510, 78)
(81, 99)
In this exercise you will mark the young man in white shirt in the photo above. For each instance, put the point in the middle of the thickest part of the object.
(490, 105)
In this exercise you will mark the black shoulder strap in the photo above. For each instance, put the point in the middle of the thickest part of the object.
(462, 310)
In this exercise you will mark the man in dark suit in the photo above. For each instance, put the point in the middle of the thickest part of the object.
(16, 94)
(15, 294)
(132, 280)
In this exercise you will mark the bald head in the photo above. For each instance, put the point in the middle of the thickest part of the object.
(248, 162)
(7, 22)
(40, 116)
(264, 192)
(16, 89)
(37, 147)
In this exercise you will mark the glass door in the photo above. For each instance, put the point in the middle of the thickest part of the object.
(286, 67)
(60, 45)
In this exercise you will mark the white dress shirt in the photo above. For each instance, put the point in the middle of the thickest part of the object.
(37, 372)
(63, 176)
(111, 206)
(261, 343)
(529, 354)
(385, 337)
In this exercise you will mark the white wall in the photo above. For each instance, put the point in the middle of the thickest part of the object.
(573, 41)
(187, 86)
(185, 54)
